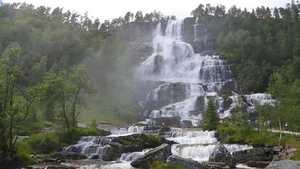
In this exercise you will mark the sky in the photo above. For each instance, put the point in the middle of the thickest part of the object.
(110, 9)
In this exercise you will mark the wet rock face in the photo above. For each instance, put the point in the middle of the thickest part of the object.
(160, 153)
(199, 35)
(221, 154)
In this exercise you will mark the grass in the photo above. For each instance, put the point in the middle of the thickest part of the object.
(246, 135)
(109, 109)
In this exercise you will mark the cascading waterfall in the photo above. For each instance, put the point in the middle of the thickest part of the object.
(90, 146)
(197, 144)
(183, 75)
(201, 152)
(186, 80)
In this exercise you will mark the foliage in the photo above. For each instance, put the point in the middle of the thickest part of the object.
(45, 143)
(15, 107)
(55, 141)
(144, 140)
(74, 134)
(162, 165)
(211, 117)
(69, 93)
(245, 135)
(23, 153)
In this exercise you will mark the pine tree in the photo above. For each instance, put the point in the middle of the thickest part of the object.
(211, 117)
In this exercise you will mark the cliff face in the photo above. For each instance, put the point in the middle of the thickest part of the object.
(197, 33)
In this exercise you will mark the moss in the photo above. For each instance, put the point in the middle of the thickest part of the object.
(163, 165)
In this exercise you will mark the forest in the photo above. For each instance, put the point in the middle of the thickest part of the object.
(54, 62)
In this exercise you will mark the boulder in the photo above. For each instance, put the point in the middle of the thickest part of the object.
(255, 154)
(221, 154)
(258, 164)
(284, 164)
(70, 155)
(160, 153)
(186, 163)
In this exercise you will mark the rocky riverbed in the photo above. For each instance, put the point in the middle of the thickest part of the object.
(191, 148)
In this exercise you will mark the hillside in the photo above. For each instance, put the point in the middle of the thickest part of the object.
(261, 46)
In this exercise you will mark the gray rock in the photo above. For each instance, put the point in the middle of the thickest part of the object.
(221, 154)
(70, 155)
(160, 153)
(186, 163)
(284, 164)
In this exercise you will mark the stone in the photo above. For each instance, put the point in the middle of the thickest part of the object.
(277, 148)
(160, 153)
(258, 164)
(221, 154)
(255, 154)
(70, 155)
(187, 163)
(284, 164)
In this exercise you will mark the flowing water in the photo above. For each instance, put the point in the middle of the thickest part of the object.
(185, 81)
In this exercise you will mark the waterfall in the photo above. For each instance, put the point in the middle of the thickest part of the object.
(193, 137)
(129, 157)
(200, 152)
(183, 77)
(89, 146)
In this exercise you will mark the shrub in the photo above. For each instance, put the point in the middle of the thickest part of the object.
(55, 141)
(45, 143)
(23, 153)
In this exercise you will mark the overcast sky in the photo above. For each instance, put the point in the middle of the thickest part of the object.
(109, 9)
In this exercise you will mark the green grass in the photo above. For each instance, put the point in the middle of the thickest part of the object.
(109, 109)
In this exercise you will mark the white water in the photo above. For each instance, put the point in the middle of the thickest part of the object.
(89, 145)
(174, 61)
(193, 137)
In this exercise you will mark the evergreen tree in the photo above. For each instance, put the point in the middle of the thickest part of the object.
(211, 116)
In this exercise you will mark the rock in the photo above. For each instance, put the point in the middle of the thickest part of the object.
(164, 129)
(258, 164)
(160, 153)
(186, 163)
(284, 164)
(70, 155)
(221, 154)
(214, 165)
(115, 144)
(255, 154)
(158, 59)
(142, 141)
(277, 148)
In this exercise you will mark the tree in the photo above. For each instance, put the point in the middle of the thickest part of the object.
(277, 87)
(14, 106)
(68, 93)
(211, 116)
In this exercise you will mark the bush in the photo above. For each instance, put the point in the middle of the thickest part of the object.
(23, 153)
(72, 135)
(45, 143)
(55, 141)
